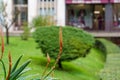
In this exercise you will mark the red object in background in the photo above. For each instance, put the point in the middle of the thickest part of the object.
(115, 23)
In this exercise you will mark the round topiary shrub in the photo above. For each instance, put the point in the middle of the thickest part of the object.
(76, 42)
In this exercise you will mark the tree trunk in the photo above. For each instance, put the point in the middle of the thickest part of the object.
(60, 64)
(7, 36)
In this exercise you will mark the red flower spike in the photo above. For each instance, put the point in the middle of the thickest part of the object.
(2, 43)
(60, 39)
(48, 58)
(10, 58)
(2, 47)
(10, 66)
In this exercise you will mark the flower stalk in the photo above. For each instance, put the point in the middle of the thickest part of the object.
(2, 52)
(48, 62)
(59, 54)
(2, 44)
(10, 66)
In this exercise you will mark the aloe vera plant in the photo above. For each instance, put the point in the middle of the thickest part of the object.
(15, 73)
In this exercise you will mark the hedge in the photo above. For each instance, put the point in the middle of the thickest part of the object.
(76, 42)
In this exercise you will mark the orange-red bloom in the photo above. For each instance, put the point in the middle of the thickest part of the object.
(48, 58)
(10, 66)
(60, 39)
(2, 43)
(10, 59)
(2, 46)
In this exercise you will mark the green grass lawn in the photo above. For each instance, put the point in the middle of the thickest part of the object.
(79, 69)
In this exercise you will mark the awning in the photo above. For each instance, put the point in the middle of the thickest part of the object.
(114, 1)
(86, 1)
(91, 1)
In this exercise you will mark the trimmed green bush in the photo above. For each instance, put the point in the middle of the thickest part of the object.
(76, 42)
(107, 46)
(100, 45)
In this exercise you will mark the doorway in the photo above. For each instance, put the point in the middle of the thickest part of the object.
(98, 17)
(22, 7)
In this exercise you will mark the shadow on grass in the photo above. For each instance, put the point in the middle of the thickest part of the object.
(67, 66)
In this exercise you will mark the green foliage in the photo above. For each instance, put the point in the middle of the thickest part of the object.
(16, 73)
(26, 31)
(76, 42)
(71, 70)
(4, 68)
(107, 46)
(41, 21)
(48, 78)
(100, 46)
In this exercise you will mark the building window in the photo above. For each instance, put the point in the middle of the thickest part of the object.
(20, 1)
(47, 8)
(41, 11)
(45, 11)
(116, 15)
(23, 16)
(53, 11)
(78, 16)
(49, 11)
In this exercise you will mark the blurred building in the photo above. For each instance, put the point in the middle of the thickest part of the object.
(30, 9)
(103, 15)
(93, 14)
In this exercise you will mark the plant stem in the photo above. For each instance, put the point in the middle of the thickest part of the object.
(45, 70)
(59, 55)
(53, 67)
(4, 69)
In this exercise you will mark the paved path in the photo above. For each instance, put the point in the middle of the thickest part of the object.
(111, 69)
